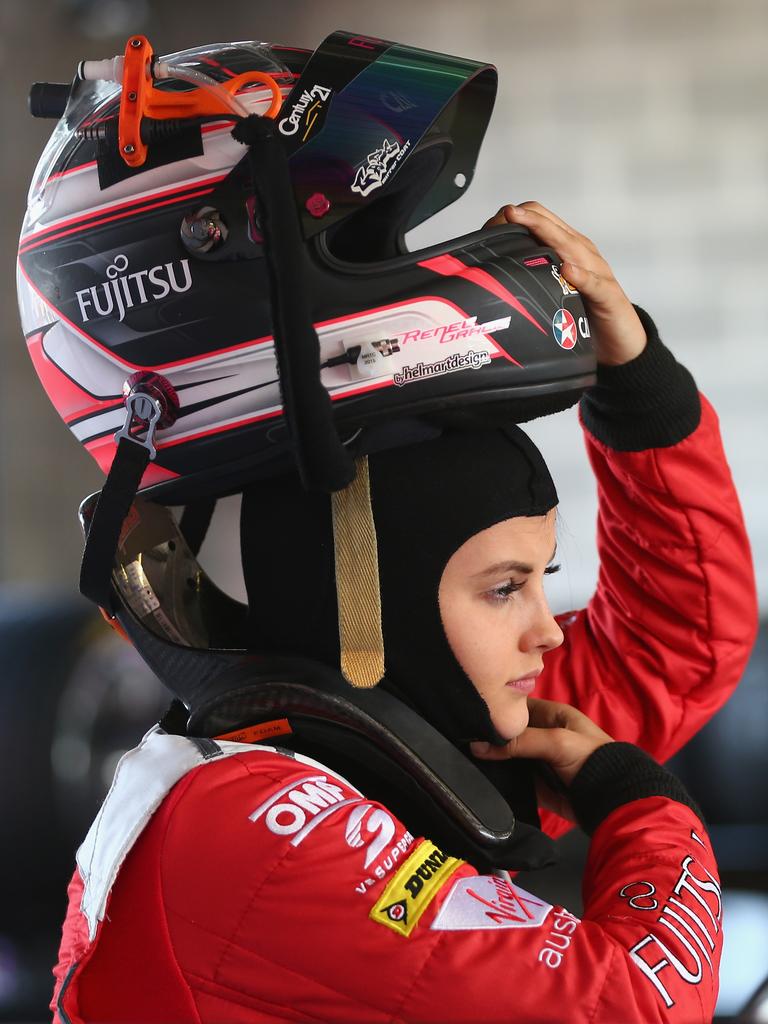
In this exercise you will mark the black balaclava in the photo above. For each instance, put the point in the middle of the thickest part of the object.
(427, 500)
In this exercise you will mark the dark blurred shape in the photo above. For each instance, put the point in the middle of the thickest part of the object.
(100, 19)
(9, 971)
(756, 1010)
(48, 99)
(73, 698)
(726, 768)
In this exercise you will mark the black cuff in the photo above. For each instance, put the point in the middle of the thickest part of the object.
(650, 402)
(616, 774)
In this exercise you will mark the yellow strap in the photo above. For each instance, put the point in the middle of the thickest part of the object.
(357, 582)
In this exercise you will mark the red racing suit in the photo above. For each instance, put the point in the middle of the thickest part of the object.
(264, 887)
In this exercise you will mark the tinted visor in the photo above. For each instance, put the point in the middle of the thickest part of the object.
(361, 108)
(159, 580)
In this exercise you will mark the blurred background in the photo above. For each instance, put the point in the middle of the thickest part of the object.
(643, 124)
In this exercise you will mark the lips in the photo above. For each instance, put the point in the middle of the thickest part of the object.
(526, 684)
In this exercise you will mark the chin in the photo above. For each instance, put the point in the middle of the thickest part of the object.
(511, 720)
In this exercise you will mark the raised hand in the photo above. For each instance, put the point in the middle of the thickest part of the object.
(615, 326)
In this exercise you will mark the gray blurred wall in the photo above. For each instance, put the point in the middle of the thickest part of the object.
(641, 123)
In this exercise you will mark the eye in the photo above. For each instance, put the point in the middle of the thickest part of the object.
(505, 591)
(552, 568)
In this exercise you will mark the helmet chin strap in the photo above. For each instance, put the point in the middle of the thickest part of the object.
(323, 462)
(102, 532)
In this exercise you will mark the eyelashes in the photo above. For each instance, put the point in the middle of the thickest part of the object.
(506, 590)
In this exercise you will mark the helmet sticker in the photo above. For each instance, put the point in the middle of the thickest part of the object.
(471, 360)
(456, 331)
(307, 113)
(122, 291)
(567, 288)
(564, 329)
(379, 166)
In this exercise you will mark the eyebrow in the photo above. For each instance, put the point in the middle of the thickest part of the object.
(521, 567)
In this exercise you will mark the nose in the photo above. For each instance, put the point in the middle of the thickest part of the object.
(542, 633)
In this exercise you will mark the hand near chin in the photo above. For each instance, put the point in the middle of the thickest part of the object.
(618, 334)
(560, 736)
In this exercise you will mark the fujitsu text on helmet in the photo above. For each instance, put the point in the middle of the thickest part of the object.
(203, 315)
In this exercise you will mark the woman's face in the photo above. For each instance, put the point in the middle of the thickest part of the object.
(496, 616)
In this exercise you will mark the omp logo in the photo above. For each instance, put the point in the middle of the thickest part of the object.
(300, 806)
(121, 291)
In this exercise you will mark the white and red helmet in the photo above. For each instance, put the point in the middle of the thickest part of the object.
(155, 272)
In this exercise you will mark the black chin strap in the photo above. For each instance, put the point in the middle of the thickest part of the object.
(103, 532)
(194, 522)
(323, 462)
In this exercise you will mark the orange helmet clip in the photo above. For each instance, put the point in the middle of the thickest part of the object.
(140, 98)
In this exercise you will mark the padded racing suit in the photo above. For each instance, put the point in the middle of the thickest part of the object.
(232, 882)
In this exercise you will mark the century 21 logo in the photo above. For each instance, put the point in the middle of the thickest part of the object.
(122, 291)
(307, 107)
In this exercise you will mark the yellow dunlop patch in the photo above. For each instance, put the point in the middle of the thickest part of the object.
(410, 892)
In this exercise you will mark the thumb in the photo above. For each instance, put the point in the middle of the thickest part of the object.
(536, 743)
(531, 743)
(564, 750)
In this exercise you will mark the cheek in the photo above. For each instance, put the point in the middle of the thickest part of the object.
(509, 716)
(482, 639)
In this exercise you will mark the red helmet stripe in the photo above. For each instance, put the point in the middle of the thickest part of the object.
(449, 266)
(136, 203)
(69, 399)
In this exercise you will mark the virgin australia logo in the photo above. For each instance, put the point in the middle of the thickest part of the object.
(122, 291)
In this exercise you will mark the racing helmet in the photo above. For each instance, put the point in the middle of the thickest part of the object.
(155, 271)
